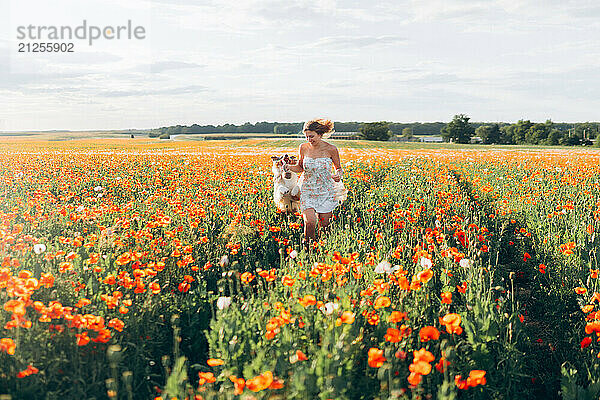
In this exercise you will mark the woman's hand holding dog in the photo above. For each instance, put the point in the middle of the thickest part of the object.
(338, 175)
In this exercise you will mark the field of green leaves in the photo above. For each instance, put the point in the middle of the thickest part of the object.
(164, 270)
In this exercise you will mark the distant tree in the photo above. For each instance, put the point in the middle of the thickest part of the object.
(345, 126)
(375, 131)
(538, 133)
(571, 139)
(174, 130)
(489, 134)
(520, 131)
(587, 130)
(407, 133)
(506, 134)
(553, 138)
(165, 136)
(458, 130)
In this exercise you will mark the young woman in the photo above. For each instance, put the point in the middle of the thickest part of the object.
(318, 194)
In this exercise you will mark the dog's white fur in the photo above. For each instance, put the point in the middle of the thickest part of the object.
(286, 191)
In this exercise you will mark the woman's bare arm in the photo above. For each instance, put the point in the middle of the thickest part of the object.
(335, 157)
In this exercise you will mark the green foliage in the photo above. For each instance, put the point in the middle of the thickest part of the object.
(458, 130)
(449, 207)
(571, 390)
(522, 132)
(407, 133)
(375, 131)
(489, 134)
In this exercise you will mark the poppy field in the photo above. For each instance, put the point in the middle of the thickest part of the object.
(164, 270)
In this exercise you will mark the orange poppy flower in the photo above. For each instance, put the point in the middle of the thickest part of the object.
(287, 281)
(214, 362)
(30, 370)
(381, 302)
(82, 339)
(428, 333)
(425, 275)
(347, 317)
(476, 377)
(586, 342)
(123, 258)
(422, 355)
(376, 358)
(276, 384)
(206, 377)
(587, 308)
(446, 297)
(420, 367)
(8, 346)
(392, 335)
(441, 365)
(246, 277)
(414, 379)
(155, 288)
(460, 383)
(308, 300)
(580, 290)
(261, 382)
(452, 323)
(593, 326)
(396, 316)
(301, 356)
(17, 307)
(238, 383)
(373, 318)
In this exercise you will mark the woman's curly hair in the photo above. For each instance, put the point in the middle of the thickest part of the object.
(323, 127)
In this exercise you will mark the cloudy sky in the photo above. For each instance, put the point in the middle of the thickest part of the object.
(209, 61)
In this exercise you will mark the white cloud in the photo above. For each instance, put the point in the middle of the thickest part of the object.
(210, 61)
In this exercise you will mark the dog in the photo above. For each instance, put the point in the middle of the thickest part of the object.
(286, 191)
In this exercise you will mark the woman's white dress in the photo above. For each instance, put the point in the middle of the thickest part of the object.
(318, 190)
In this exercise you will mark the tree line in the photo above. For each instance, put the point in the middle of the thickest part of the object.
(459, 130)
(524, 132)
(293, 128)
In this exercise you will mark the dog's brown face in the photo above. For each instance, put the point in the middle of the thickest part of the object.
(279, 161)
(285, 159)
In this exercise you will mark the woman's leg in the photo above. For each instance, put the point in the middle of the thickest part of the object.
(324, 220)
(310, 225)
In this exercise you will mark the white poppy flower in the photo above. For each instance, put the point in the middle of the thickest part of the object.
(382, 267)
(39, 248)
(223, 302)
(224, 261)
(330, 308)
(426, 262)
(466, 263)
